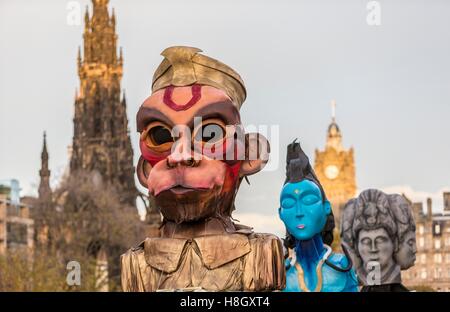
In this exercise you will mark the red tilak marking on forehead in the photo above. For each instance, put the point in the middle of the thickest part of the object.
(196, 95)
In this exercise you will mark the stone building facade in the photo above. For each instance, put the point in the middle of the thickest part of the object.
(16, 225)
(432, 268)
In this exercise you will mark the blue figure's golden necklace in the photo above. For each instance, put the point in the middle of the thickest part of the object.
(301, 276)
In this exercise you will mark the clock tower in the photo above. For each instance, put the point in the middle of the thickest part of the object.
(335, 169)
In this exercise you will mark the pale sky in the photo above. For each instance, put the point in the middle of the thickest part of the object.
(391, 82)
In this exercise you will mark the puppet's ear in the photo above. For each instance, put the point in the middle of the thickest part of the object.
(257, 150)
(143, 170)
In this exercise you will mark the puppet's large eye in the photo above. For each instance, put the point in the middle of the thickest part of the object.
(211, 131)
(157, 136)
(160, 135)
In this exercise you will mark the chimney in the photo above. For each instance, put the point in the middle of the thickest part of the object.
(418, 210)
(447, 201)
(429, 208)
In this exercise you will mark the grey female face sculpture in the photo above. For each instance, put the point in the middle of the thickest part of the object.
(369, 231)
(376, 246)
(380, 234)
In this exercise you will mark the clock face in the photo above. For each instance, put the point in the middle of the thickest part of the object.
(331, 172)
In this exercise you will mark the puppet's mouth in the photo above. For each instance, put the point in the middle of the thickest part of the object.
(180, 190)
(301, 226)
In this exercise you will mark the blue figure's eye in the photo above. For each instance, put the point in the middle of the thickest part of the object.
(310, 199)
(288, 203)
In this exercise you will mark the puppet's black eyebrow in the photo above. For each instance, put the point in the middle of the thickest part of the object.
(219, 110)
(146, 115)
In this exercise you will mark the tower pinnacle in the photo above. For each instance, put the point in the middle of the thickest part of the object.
(333, 110)
(44, 185)
(334, 136)
(100, 40)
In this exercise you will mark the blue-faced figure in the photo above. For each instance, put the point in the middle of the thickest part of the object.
(309, 223)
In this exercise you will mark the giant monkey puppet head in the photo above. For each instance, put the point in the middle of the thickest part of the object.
(194, 155)
(194, 152)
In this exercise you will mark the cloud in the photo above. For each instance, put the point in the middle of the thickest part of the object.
(420, 196)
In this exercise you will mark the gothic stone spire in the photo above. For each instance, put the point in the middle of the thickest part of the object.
(44, 185)
(101, 142)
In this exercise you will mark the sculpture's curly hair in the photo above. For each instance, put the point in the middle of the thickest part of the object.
(370, 211)
(402, 212)
(299, 168)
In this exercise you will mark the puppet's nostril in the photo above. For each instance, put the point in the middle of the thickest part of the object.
(171, 164)
(191, 162)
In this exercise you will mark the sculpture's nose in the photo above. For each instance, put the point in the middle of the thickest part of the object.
(373, 246)
(299, 211)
